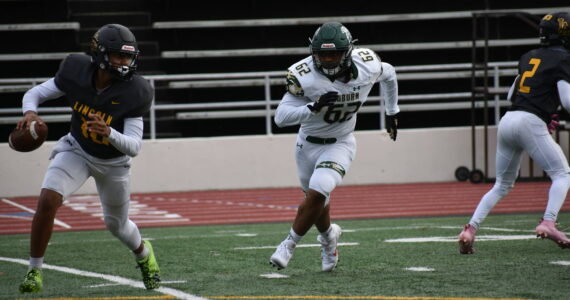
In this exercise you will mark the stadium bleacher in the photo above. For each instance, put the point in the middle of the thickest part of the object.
(186, 37)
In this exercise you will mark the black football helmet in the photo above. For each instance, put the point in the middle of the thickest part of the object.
(114, 38)
(555, 30)
(331, 37)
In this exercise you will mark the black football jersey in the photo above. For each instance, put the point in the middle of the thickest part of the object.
(122, 99)
(539, 71)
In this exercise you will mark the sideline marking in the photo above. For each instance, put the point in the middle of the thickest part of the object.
(419, 269)
(298, 246)
(56, 221)
(561, 262)
(362, 297)
(113, 278)
(454, 238)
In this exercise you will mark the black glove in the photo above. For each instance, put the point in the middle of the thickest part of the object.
(392, 126)
(324, 100)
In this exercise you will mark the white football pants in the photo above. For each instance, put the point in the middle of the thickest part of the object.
(322, 167)
(71, 167)
(522, 131)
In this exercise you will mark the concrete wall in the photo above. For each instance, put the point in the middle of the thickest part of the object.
(419, 155)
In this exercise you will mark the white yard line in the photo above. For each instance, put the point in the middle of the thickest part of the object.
(56, 221)
(112, 278)
(480, 238)
(298, 246)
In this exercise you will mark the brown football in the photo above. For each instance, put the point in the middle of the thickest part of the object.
(26, 140)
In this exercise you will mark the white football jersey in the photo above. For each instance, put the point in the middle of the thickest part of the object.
(305, 85)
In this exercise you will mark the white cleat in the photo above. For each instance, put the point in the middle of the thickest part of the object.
(283, 254)
(329, 252)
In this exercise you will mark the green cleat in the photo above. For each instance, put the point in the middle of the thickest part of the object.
(32, 281)
(149, 269)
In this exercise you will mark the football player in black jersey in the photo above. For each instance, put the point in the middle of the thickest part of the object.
(543, 84)
(108, 101)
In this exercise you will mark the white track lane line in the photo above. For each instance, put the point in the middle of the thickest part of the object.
(116, 279)
(56, 221)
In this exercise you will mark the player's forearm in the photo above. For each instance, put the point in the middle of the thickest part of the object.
(39, 94)
(389, 87)
(390, 93)
(130, 141)
(291, 111)
(564, 93)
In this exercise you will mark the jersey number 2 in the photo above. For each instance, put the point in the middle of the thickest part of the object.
(528, 74)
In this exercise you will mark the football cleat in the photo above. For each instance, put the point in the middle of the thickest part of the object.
(547, 229)
(467, 239)
(32, 282)
(149, 269)
(283, 254)
(329, 252)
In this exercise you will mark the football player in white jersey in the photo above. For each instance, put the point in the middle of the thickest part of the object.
(324, 93)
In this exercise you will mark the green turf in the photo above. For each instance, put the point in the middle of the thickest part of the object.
(205, 260)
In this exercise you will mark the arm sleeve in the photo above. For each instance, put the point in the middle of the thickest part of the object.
(512, 89)
(39, 94)
(292, 110)
(129, 142)
(564, 93)
(389, 87)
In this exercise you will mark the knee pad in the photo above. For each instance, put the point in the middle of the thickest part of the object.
(114, 225)
(126, 231)
(324, 181)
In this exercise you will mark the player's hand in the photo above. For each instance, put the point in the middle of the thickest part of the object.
(392, 126)
(325, 100)
(28, 118)
(98, 126)
(553, 123)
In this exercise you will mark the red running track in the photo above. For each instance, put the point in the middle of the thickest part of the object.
(279, 205)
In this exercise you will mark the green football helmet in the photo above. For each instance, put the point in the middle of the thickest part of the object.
(332, 39)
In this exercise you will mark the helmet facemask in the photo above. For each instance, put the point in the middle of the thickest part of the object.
(332, 63)
(120, 65)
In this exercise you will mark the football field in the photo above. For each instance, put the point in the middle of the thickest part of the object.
(396, 258)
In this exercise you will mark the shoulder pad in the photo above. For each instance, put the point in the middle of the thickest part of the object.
(293, 85)
(138, 88)
(73, 70)
(366, 55)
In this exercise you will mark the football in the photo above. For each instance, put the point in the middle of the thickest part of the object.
(26, 140)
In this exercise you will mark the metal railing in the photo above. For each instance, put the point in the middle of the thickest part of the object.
(266, 107)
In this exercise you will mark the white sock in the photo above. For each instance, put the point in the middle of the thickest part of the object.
(143, 254)
(294, 236)
(326, 233)
(36, 262)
